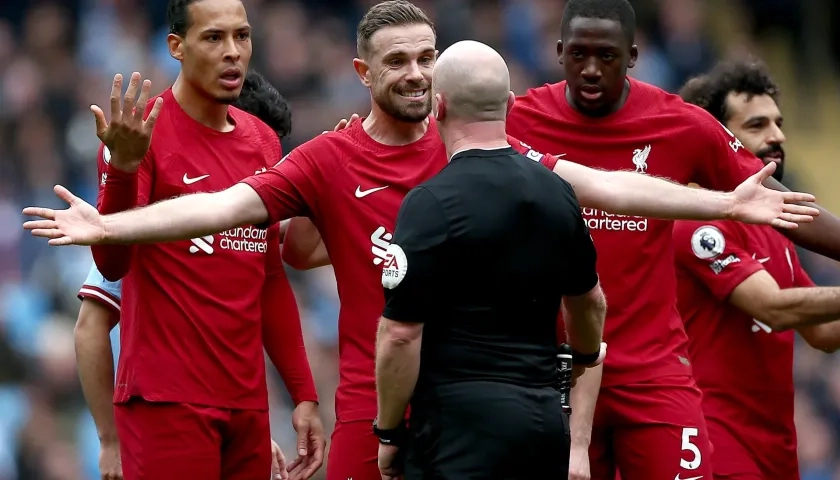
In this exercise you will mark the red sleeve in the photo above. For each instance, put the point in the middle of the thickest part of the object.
(289, 188)
(721, 161)
(282, 334)
(714, 253)
(544, 158)
(119, 191)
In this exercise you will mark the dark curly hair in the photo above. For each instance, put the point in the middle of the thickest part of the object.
(262, 100)
(709, 92)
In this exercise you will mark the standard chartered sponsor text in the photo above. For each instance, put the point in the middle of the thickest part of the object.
(600, 220)
(244, 239)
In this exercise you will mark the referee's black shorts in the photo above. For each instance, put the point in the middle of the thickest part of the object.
(487, 431)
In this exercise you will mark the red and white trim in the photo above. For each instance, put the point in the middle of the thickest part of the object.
(96, 293)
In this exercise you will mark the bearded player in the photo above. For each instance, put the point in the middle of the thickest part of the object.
(351, 183)
(196, 315)
(648, 421)
(742, 294)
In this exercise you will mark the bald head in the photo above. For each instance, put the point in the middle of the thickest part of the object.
(474, 81)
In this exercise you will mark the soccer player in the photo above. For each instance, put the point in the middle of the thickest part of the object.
(196, 314)
(648, 421)
(100, 308)
(742, 291)
(351, 184)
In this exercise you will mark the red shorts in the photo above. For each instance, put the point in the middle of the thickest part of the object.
(742, 453)
(650, 430)
(354, 452)
(175, 441)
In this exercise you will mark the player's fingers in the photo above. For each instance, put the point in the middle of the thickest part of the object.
(47, 213)
(765, 172)
(353, 118)
(142, 100)
(340, 125)
(40, 225)
(65, 195)
(149, 124)
(130, 94)
(281, 472)
(800, 209)
(47, 233)
(783, 224)
(317, 459)
(792, 197)
(99, 118)
(303, 438)
(116, 91)
(792, 217)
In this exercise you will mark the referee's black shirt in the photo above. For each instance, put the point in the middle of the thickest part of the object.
(483, 253)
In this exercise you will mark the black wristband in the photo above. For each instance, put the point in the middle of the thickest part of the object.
(392, 436)
(584, 359)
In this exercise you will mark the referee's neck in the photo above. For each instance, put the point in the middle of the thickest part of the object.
(474, 136)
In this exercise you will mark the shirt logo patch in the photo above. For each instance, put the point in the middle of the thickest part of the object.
(640, 159)
(718, 265)
(395, 267)
(707, 242)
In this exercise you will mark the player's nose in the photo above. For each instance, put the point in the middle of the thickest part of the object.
(591, 70)
(231, 52)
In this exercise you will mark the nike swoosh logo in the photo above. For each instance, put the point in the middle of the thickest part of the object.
(760, 260)
(190, 181)
(364, 193)
(692, 478)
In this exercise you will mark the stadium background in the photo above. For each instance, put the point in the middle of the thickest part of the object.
(56, 58)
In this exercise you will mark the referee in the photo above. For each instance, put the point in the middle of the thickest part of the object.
(481, 257)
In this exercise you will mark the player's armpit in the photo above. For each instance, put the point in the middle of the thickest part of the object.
(821, 236)
(303, 247)
(781, 309)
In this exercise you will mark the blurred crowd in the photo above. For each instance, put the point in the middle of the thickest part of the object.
(57, 58)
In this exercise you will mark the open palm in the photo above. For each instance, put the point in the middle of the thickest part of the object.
(80, 224)
(755, 203)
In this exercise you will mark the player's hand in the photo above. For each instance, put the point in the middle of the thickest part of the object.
(278, 463)
(579, 462)
(128, 135)
(110, 464)
(344, 123)
(311, 441)
(755, 203)
(578, 370)
(390, 462)
(80, 224)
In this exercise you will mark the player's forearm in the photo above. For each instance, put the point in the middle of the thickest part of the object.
(397, 368)
(283, 341)
(119, 193)
(179, 218)
(801, 307)
(95, 362)
(825, 337)
(646, 196)
(583, 399)
(584, 318)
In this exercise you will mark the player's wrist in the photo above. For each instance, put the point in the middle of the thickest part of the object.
(395, 436)
(122, 165)
(728, 205)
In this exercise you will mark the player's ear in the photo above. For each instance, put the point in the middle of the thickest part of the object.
(511, 101)
(176, 46)
(560, 51)
(363, 71)
(439, 107)
(634, 55)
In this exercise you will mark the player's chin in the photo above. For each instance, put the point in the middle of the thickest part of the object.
(415, 112)
(228, 97)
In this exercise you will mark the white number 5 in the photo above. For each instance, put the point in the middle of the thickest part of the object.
(687, 445)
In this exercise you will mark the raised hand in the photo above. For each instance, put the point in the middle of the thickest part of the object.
(755, 203)
(128, 136)
(80, 224)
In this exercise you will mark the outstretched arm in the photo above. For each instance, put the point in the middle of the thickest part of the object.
(186, 217)
(630, 193)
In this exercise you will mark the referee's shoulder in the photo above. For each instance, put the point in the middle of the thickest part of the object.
(543, 173)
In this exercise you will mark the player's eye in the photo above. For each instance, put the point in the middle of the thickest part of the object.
(426, 60)
(607, 57)
(577, 55)
(395, 62)
(244, 35)
(214, 37)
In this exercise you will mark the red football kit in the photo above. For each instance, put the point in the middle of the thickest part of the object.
(352, 188)
(648, 423)
(744, 369)
(190, 393)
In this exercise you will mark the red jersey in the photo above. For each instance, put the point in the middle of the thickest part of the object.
(743, 368)
(352, 188)
(654, 133)
(192, 311)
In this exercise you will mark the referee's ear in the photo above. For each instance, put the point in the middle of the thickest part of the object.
(439, 107)
(511, 101)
